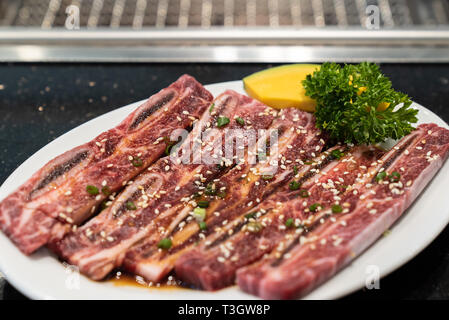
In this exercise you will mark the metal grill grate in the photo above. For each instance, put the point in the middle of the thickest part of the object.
(225, 31)
(218, 13)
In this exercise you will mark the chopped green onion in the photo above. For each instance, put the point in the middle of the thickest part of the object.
(92, 190)
(308, 162)
(254, 227)
(304, 194)
(169, 144)
(203, 204)
(294, 185)
(221, 194)
(106, 190)
(137, 162)
(267, 177)
(251, 215)
(210, 189)
(130, 205)
(380, 176)
(314, 207)
(240, 121)
(167, 150)
(164, 244)
(222, 121)
(103, 205)
(295, 170)
(289, 222)
(337, 154)
(211, 108)
(336, 208)
(199, 214)
(202, 225)
(395, 176)
(167, 140)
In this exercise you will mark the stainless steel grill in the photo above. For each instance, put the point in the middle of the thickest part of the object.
(222, 13)
(225, 30)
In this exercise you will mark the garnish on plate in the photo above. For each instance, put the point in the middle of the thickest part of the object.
(280, 87)
(357, 104)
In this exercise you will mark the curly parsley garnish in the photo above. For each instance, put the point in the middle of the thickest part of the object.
(356, 104)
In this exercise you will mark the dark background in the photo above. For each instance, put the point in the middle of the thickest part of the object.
(39, 102)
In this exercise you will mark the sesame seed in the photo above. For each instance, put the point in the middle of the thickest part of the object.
(338, 242)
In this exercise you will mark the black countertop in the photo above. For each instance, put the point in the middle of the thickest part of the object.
(39, 102)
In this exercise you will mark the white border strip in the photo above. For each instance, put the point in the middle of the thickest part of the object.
(222, 54)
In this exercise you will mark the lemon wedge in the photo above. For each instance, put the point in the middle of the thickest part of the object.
(281, 87)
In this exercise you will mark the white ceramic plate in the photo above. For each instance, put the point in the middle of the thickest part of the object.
(42, 276)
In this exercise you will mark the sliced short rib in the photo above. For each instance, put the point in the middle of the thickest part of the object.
(55, 198)
(248, 184)
(212, 265)
(323, 251)
(153, 204)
